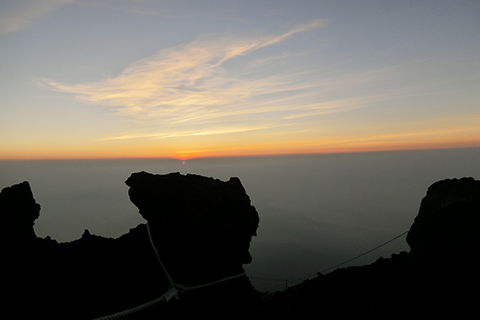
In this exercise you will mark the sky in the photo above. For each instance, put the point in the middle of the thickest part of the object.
(183, 79)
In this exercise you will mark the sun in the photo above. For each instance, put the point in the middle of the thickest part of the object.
(185, 155)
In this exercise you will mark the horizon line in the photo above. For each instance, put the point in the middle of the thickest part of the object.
(246, 155)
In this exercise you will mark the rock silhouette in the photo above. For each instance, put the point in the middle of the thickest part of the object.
(445, 232)
(445, 245)
(96, 276)
(19, 212)
(438, 278)
(202, 228)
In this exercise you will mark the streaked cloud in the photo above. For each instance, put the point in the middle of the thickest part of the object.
(190, 82)
(163, 135)
(216, 85)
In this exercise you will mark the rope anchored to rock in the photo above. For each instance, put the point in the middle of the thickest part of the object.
(173, 292)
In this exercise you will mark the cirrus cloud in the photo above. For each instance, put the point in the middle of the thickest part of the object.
(188, 82)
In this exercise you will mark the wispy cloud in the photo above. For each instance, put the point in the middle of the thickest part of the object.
(188, 82)
(22, 14)
(217, 85)
(164, 135)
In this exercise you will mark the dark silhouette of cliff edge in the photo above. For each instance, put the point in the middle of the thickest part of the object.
(438, 278)
(202, 229)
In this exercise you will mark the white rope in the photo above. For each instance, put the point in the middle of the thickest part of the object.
(181, 288)
(174, 291)
(131, 311)
(212, 283)
(169, 277)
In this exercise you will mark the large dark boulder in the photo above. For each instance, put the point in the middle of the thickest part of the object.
(446, 232)
(202, 228)
(18, 212)
(445, 245)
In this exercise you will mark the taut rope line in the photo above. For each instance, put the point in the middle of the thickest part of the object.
(174, 291)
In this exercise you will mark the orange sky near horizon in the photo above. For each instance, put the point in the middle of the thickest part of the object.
(281, 147)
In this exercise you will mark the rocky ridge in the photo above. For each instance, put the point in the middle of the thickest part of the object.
(438, 278)
(95, 276)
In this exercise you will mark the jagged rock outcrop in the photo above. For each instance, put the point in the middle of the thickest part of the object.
(83, 279)
(438, 278)
(95, 276)
(202, 228)
(18, 211)
(446, 232)
(445, 246)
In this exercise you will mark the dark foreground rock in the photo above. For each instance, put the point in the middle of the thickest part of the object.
(438, 278)
(382, 290)
(202, 227)
(95, 276)
(19, 211)
(445, 236)
(445, 245)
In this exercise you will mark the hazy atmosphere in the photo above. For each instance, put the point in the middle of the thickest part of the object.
(335, 115)
(315, 210)
(125, 78)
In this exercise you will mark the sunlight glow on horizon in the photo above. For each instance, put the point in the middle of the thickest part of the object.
(248, 151)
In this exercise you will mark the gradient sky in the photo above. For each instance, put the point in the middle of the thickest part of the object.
(139, 78)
